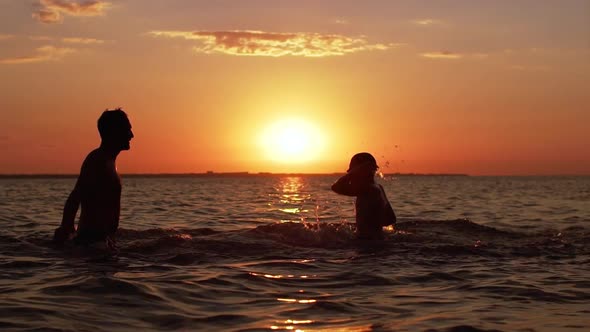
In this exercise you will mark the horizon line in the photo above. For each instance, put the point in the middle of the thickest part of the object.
(213, 174)
(246, 173)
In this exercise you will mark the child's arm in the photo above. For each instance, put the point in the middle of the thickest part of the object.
(344, 187)
(388, 216)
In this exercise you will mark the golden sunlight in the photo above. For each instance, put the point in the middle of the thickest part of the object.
(291, 141)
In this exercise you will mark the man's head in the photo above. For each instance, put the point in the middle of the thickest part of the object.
(115, 129)
(363, 164)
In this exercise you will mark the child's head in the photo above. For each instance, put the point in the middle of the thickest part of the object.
(363, 164)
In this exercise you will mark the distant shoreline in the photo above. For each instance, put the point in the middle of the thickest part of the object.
(210, 174)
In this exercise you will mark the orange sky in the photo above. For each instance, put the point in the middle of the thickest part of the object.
(475, 87)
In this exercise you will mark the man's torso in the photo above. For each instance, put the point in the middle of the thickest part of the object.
(100, 197)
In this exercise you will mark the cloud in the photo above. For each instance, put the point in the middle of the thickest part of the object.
(530, 68)
(5, 36)
(47, 16)
(445, 55)
(76, 40)
(341, 21)
(275, 44)
(69, 40)
(52, 11)
(479, 56)
(427, 22)
(43, 54)
(40, 38)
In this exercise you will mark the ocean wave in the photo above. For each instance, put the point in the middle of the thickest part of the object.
(460, 237)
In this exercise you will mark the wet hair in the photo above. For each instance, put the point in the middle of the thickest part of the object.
(112, 121)
(363, 158)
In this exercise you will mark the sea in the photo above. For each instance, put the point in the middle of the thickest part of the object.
(278, 252)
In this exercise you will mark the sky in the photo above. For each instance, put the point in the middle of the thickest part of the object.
(475, 87)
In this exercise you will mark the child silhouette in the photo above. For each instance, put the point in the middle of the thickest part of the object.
(373, 210)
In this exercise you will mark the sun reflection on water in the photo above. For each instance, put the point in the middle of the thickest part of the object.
(291, 210)
(291, 196)
(296, 300)
(299, 325)
(289, 324)
(291, 190)
(291, 184)
(278, 276)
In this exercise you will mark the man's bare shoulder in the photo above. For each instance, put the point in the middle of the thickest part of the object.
(94, 156)
(94, 163)
(95, 159)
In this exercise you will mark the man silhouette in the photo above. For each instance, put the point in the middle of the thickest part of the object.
(98, 188)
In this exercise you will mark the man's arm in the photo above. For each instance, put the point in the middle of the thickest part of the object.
(70, 210)
(67, 227)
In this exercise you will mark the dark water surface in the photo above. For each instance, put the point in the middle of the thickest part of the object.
(278, 253)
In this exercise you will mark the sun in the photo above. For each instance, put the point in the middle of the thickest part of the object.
(291, 141)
